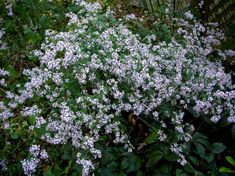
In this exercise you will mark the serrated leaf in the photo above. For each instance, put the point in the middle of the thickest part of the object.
(218, 147)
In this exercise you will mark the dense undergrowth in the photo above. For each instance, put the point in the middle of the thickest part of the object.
(85, 90)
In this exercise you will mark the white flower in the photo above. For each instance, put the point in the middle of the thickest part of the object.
(43, 154)
(189, 15)
(29, 166)
(34, 150)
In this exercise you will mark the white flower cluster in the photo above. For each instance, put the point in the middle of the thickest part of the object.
(8, 6)
(37, 154)
(177, 149)
(3, 74)
(3, 165)
(2, 32)
(201, 3)
(131, 17)
(95, 70)
(31, 111)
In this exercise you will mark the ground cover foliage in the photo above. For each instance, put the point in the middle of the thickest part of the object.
(85, 91)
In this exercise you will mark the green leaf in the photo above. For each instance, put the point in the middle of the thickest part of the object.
(152, 138)
(139, 173)
(57, 170)
(218, 147)
(14, 136)
(13, 72)
(105, 171)
(194, 160)
(209, 157)
(199, 135)
(112, 165)
(202, 141)
(189, 169)
(171, 157)
(124, 163)
(134, 163)
(165, 168)
(154, 159)
(200, 149)
(226, 170)
(32, 120)
(66, 170)
(48, 172)
(121, 174)
(230, 160)
(107, 157)
(43, 21)
(31, 37)
(180, 172)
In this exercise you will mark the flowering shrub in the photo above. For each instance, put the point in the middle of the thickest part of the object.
(97, 69)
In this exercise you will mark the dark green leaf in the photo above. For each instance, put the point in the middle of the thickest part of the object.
(209, 157)
(112, 165)
(106, 171)
(107, 157)
(218, 147)
(171, 157)
(154, 159)
(200, 149)
(189, 169)
(134, 163)
(124, 163)
(199, 135)
(194, 160)
(165, 168)
(202, 141)
(180, 172)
